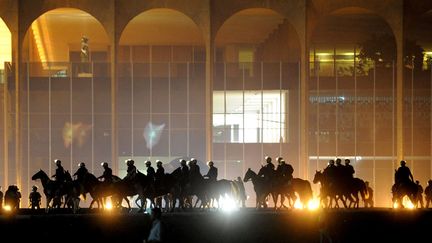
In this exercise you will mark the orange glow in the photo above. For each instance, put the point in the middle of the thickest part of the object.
(313, 204)
(298, 204)
(7, 208)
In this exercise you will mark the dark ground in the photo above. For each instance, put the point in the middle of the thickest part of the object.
(249, 225)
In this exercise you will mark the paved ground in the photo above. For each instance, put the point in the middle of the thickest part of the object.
(249, 225)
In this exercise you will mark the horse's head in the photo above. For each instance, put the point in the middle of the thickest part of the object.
(249, 174)
(317, 177)
(39, 175)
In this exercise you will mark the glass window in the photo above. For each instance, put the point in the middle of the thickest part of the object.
(251, 116)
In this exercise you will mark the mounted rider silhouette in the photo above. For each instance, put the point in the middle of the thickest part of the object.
(131, 170)
(403, 175)
(268, 170)
(107, 175)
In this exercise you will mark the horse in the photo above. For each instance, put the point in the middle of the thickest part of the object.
(53, 189)
(408, 189)
(303, 189)
(262, 188)
(329, 189)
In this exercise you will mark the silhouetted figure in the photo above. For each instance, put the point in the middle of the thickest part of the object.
(419, 195)
(60, 172)
(349, 169)
(160, 174)
(403, 174)
(194, 171)
(1, 198)
(330, 170)
(284, 170)
(150, 170)
(241, 192)
(340, 172)
(81, 172)
(369, 203)
(212, 172)
(107, 174)
(157, 231)
(268, 170)
(12, 197)
(131, 170)
(428, 193)
(35, 198)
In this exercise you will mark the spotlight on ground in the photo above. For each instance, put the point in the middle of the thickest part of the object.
(227, 204)
(7, 208)
(313, 204)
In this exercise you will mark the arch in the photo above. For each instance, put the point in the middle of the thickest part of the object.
(349, 19)
(167, 19)
(269, 28)
(47, 37)
(5, 43)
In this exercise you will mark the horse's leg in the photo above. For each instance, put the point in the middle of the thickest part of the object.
(48, 204)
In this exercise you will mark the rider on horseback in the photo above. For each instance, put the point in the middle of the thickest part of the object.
(284, 170)
(81, 172)
(349, 169)
(60, 172)
(150, 170)
(160, 174)
(107, 174)
(268, 170)
(403, 175)
(212, 172)
(131, 170)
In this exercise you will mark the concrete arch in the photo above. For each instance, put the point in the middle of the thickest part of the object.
(350, 11)
(270, 29)
(155, 17)
(196, 10)
(391, 13)
(102, 11)
(62, 19)
(293, 11)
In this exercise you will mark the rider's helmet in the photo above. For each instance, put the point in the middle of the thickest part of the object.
(82, 164)
(402, 163)
(34, 188)
(338, 161)
(347, 161)
(279, 159)
(148, 162)
(182, 162)
(193, 161)
(158, 163)
(57, 162)
(210, 163)
(130, 162)
(268, 159)
(282, 162)
(331, 162)
(104, 164)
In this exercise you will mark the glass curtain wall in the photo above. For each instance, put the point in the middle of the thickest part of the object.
(255, 114)
(352, 115)
(66, 115)
(417, 125)
(161, 113)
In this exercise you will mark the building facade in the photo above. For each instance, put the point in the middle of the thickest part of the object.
(230, 81)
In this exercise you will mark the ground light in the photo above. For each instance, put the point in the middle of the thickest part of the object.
(227, 204)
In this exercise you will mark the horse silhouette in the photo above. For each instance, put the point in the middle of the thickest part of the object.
(262, 188)
(408, 189)
(55, 190)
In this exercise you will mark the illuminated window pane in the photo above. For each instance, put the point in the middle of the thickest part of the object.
(251, 116)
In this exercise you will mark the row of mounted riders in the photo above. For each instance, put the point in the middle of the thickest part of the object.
(337, 184)
(176, 188)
